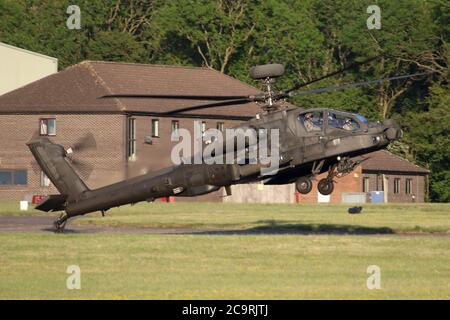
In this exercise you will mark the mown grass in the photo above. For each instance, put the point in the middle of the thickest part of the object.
(325, 263)
(392, 218)
(12, 208)
(142, 266)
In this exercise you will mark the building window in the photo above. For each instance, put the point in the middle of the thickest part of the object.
(203, 126)
(45, 181)
(365, 185)
(131, 135)
(408, 186)
(5, 177)
(47, 127)
(13, 177)
(175, 126)
(155, 128)
(397, 185)
(220, 126)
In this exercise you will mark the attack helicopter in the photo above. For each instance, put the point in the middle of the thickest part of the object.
(311, 142)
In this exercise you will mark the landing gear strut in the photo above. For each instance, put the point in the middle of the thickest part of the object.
(340, 169)
(346, 165)
(60, 223)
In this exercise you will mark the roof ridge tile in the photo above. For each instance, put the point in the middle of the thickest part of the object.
(404, 159)
(384, 160)
(102, 82)
(147, 65)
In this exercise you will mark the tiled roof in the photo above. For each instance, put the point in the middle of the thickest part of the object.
(383, 160)
(78, 88)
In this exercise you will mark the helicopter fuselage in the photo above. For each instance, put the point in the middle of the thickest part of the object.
(306, 143)
(300, 151)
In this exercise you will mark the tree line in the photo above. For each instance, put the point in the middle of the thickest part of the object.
(311, 37)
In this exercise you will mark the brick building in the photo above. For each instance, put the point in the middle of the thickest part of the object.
(401, 181)
(133, 135)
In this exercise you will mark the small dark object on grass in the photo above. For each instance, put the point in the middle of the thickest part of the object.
(354, 210)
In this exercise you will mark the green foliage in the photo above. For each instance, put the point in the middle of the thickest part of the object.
(311, 37)
(428, 134)
(113, 46)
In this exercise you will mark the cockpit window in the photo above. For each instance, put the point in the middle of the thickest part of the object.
(340, 121)
(312, 121)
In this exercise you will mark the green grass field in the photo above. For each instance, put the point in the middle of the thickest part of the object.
(321, 262)
(428, 218)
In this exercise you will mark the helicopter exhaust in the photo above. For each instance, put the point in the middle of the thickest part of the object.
(392, 130)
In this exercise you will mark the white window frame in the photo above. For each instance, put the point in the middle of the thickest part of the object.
(397, 183)
(45, 181)
(131, 138)
(175, 125)
(366, 184)
(408, 185)
(155, 128)
(43, 127)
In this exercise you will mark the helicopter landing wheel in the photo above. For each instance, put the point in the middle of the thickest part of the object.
(60, 223)
(303, 186)
(325, 186)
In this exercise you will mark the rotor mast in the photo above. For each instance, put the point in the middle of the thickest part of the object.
(268, 73)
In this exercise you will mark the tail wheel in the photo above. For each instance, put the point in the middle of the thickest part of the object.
(303, 186)
(325, 186)
(60, 223)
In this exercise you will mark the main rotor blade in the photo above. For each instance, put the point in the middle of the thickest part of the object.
(352, 85)
(173, 96)
(351, 66)
(212, 105)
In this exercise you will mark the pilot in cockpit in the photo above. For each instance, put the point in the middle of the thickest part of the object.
(348, 124)
(309, 124)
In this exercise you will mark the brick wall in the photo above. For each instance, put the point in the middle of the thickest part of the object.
(260, 193)
(155, 156)
(418, 187)
(108, 159)
(110, 163)
(349, 183)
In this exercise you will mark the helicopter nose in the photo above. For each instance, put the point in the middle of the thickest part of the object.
(393, 130)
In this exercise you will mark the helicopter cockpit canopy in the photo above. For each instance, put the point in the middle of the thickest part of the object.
(318, 120)
(361, 118)
(342, 121)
